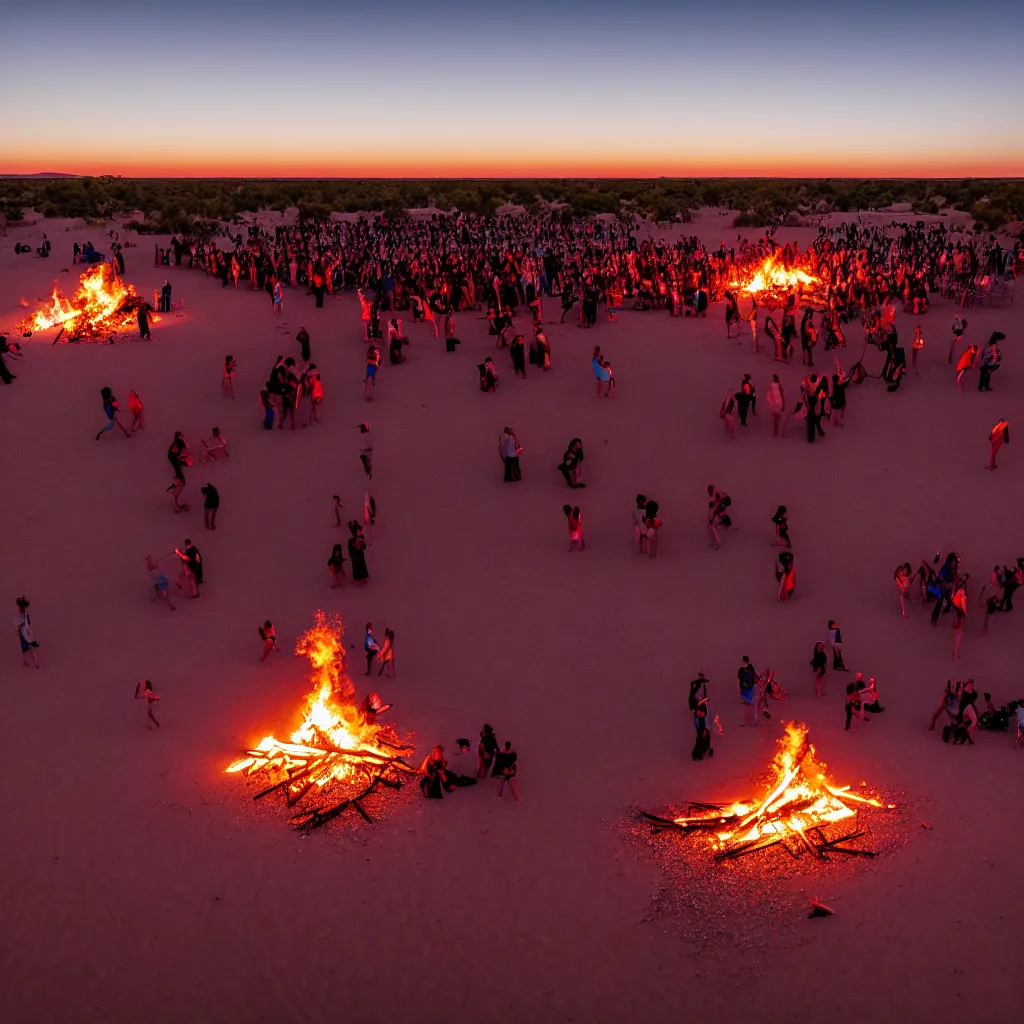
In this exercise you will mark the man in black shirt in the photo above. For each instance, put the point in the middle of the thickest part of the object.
(211, 503)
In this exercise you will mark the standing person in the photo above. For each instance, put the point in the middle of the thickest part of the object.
(755, 345)
(505, 769)
(732, 314)
(835, 640)
(386, 655)
(785, 573)
(776, 405)
(639, 531)
(179, 458)
(998, 436)
(509, 449)
(840, 382)
(781, 521)
(959, 326)
(486, 751)
(652, 528)
(916, 346)
(316, 397)
(337, 506)
(728, 415)
(366, 449)
(269, 637)
(136, 408)
(747, 678)
(192, 562)
(110, 408)
(144, 691)
(23, 627)
(227, 380)
(700, 706)
(357, 554)
(372, 366)
(143, 319)
(575, 521)
(370, 647)
(819, 665)
(903, 575)
(161, 584)
(959, 602)
(517, 350)
(303, 339)
(211, 503)
(336, 564)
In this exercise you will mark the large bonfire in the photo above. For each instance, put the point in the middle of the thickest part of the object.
(339, 754)
(102, 306)
(801, 810)
(771, 281)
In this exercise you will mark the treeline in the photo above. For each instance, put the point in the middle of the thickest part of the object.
(177, 204)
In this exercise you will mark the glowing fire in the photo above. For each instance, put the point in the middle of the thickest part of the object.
(800, 801)
(102, 305)
(337, 741)
(773, 280)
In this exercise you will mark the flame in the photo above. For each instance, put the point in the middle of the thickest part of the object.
(335, 741)
(773, 276)
(101, 305)
(800, 797)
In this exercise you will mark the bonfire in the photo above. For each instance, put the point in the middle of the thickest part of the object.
(801, 811)
(339, 754)
(101, 307)
(771, 282)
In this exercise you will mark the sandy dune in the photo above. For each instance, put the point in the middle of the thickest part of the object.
(139, 882)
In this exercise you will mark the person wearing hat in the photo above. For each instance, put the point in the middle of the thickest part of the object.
(23, 624)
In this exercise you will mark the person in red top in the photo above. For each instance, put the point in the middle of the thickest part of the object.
(137, 410)
(144, 691)
(967, 360)
(1000, 434)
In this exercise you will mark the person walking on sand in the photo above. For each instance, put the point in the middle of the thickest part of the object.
(755, 345)
(967, 361)
(144, 691)
(505, 769)
(370, 647)
(959, 602)
(835, 641)
(639, 531)
(227, 380)
(211, 505)
(336, 565)
(903, 575)
(781, 521)
(161, 584)
(959, 326)
(337, 506)
(819, 665)
(747, 679)
(110, 408)
(776, 399)
(178, 456)
(365, 445)
(26, 638)
(138, 411)
(486, 751)
(998, 436)
(372, 366)
(269, 637)
(727, 414)
(575, 521)
(386, 654)
(785, 573)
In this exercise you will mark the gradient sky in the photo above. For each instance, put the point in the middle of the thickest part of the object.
(461, 88)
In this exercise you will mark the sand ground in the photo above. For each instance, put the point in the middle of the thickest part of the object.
(138, 882)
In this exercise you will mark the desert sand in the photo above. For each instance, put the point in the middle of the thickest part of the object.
(140, 882)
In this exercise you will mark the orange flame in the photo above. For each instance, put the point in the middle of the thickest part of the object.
(800, 798)
(335, 741)
(772, 275)
(101, 305)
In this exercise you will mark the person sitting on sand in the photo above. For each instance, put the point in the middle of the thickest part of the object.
(215, 446)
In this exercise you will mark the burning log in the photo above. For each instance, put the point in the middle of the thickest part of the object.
(101, 307)
(795, 811)
(336, 752)
(771, 282)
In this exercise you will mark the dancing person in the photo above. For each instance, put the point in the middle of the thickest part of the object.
(110, 408)
(144, 691)
(486, 751)
(776, 405)
(138, 411)
(727, 415)
(505, 769)
(370, 647)
(336, 565)
(959, 602)
(372, 366)
(575, 521)
(700, 706)
(903, 576)
(835, 641)
(785, 573)
(386, 654)
(161, 584)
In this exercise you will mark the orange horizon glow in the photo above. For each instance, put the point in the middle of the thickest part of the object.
(581, 167)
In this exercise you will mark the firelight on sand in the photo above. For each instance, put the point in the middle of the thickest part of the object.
(800, 802)
(102, 305)
(338, 753)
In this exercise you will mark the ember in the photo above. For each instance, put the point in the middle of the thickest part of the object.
(800, 811)
(339, 754)
(102, 306)
(771, 282)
